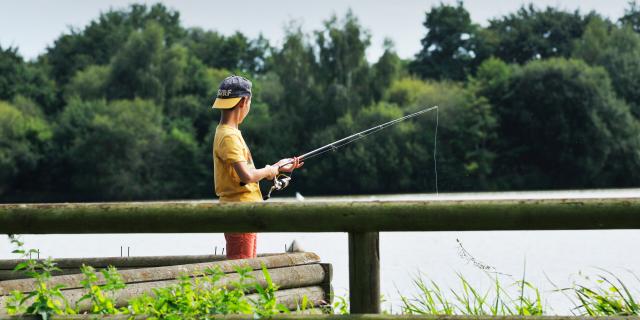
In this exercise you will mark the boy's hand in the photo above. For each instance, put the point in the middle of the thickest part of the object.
(289, 164)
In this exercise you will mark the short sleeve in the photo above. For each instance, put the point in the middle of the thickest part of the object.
(231, 150)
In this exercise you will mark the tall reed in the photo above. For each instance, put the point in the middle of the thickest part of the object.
(469, 300)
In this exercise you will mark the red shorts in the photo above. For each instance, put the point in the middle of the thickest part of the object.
(241, 245)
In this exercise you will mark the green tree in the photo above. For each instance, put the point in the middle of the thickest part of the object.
(343, 67)
(102, 39)
(107, 149)
(88, 84)
(39, 87)
(145, 68)
(561, 126)
(134, 70)
(372, 165)
(388, 68)
(24, 135)
(190, 109)
(12, 72)
(181, 166)
(28, 79)
(618, 51)
(235, 52)
(293, 90)
(466, 133)
(172, 70)
(532, 34)
(200, 81)
(451, 48)
(631, 17)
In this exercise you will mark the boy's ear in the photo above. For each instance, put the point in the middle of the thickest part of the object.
(244, 101)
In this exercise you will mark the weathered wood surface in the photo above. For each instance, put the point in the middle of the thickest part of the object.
(328, 279)
(15, 275)
(72, 265)
(292, 298)
(121, 262)
(364, 272)
(285, 278)
(449, 215)
(170, 272)
(127, 262)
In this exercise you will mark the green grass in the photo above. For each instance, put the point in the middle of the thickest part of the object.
(191, 298)
(602, 295)
(469, 300)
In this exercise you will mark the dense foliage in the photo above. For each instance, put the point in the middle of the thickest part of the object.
(120, 110)
(195, 296)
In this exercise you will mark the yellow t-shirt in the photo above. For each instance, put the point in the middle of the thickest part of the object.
(228, 148)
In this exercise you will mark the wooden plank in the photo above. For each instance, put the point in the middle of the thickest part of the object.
(72, 265)
(285, 278)
(326, 283)
(126, 262)
(292, 298)
(170, 272)
(348, 216)
(121, 262)
(14, 275)
(364, 272)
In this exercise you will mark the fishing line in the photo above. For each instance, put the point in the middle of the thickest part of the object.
(281, 181)
(465, 255)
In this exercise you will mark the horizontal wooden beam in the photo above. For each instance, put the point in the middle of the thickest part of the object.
(72, 265)
(121, 262)
(287, 278)
(335, 317)
(202, 217)
(169, 272)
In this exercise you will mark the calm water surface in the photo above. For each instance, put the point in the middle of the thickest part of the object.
(551, 259)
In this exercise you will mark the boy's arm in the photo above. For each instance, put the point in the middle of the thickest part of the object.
(250, 175)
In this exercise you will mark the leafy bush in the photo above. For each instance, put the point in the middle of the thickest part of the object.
(44, 300)
(191, 298)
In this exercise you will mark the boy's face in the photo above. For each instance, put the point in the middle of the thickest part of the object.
(245, 109)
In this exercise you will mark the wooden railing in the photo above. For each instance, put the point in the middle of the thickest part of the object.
(362, 220)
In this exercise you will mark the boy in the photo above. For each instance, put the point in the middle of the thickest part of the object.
(236, 178)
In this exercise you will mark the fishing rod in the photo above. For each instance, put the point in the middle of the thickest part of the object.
(281, 181)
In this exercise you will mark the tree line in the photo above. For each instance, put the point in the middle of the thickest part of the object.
(540, 98)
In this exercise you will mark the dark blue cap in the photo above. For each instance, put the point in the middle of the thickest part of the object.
(231, 90)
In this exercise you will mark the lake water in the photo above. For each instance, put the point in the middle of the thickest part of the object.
(557, 257)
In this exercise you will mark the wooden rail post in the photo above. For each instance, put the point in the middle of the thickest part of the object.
(364, 272)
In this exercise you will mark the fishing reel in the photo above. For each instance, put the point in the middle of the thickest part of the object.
(280, 182)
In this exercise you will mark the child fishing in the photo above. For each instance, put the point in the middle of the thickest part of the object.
(235, 175)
